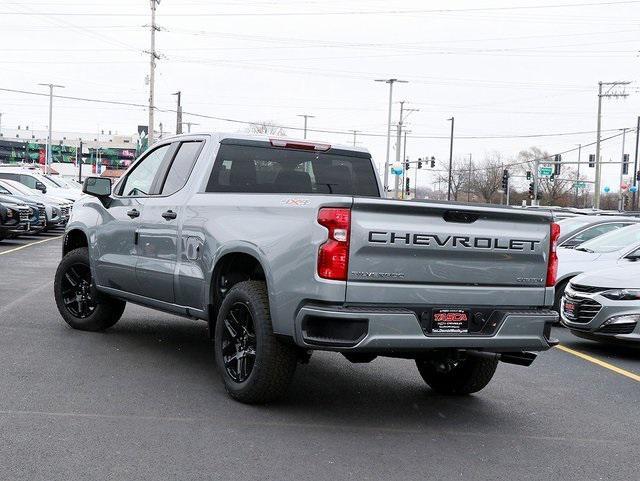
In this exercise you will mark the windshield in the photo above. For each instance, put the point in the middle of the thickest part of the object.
(17, 187)
(56, 182)
(613, 241)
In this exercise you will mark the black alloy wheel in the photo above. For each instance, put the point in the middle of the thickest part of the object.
(77, 291)
(239, 342)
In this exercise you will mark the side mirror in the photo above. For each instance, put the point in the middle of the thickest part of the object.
(41, 187)
(99, 187)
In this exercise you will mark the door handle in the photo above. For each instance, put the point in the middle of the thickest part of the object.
(168, 215)
(133, 213)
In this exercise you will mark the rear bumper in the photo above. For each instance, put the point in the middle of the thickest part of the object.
(380, 330)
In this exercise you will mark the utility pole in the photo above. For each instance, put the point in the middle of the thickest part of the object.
(354, 136)
(620, 200)
(608, 94)
(452, 120)
(179, 113)
(635, 168)
(0, 124)
(399, 151)
(390, 81)
(578, 172)
(188, 124)
(153, 56)
(469, 181)
(306, 116)
(49, 139)
(405, 160)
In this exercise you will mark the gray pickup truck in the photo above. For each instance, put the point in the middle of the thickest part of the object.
(285, 247)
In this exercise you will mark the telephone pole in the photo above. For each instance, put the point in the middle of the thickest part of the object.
(611, 92)
(153, 56)
(390, 81)
(399, 151)
(452, 120)
(179, 113)
(49, 156)
(469, 181)
(354, 136)
(635, 168)
(578, 172)
(306, 116)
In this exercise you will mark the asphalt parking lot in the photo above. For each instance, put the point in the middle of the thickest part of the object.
(143, 401)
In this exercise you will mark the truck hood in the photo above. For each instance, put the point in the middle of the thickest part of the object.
(625, 276)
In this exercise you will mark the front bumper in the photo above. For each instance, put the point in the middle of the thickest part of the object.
(602, 325)
(380, 330)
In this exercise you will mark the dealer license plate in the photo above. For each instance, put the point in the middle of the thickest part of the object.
(454, 321)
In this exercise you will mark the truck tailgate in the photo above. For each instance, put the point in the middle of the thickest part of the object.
(435, 253)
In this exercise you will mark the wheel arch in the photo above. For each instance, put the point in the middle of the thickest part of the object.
(74, 239)
(233, 265)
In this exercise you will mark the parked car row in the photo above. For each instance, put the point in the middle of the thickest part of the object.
(597, 288)
(31, 203)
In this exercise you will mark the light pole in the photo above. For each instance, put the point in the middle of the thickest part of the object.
(390, 81)
(469, 181)
(48, 156)
(179, 113)
(306, 116)
(452, 120)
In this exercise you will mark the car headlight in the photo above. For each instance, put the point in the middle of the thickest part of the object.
(622, 294)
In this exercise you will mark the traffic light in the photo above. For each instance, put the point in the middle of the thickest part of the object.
(407, 166)
(552, 177)
(531, 190)
(625, 164)
(625, 201)
(528, 175)
(638, 176)
(407, 187)
(505, 179)
(433, 162)
(419, 163)
(592, 160)
(557, 164)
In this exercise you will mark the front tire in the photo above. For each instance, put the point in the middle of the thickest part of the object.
(459, 376)
(76, 296)
(255, 365)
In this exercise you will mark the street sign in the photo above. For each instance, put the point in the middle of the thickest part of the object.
(546, 171)
(579, 185)
(396, 169)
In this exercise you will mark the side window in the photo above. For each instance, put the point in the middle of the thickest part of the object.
(28, 181)
(140, 180)
(4, 191)
(181, 167)
(6, 175)
(596, 231)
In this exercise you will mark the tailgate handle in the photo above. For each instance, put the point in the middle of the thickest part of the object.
(460, 216)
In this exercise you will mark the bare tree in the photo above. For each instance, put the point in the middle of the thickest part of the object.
(459, 176)
(268, 127)
(486, 179)
(555, 190)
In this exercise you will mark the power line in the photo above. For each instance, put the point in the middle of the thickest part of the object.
(326, 131)
(346, 12)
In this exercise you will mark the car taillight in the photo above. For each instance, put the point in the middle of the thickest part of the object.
(333, 255)
(552, 267)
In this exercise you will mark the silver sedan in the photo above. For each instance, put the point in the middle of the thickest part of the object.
(604, 304)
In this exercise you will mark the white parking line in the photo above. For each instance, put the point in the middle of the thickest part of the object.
(30, 244)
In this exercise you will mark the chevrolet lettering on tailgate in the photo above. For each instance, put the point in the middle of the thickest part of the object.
(467, 242)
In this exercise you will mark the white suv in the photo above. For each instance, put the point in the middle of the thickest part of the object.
(33, 179)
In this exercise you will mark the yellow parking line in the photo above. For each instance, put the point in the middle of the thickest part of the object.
(27, 245)
(600, 363)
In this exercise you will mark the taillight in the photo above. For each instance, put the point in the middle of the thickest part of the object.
(333, 255)
(552, 267)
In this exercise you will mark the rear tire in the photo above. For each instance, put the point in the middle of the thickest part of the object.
(256, 367)
(76, 296)
(464, 376)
